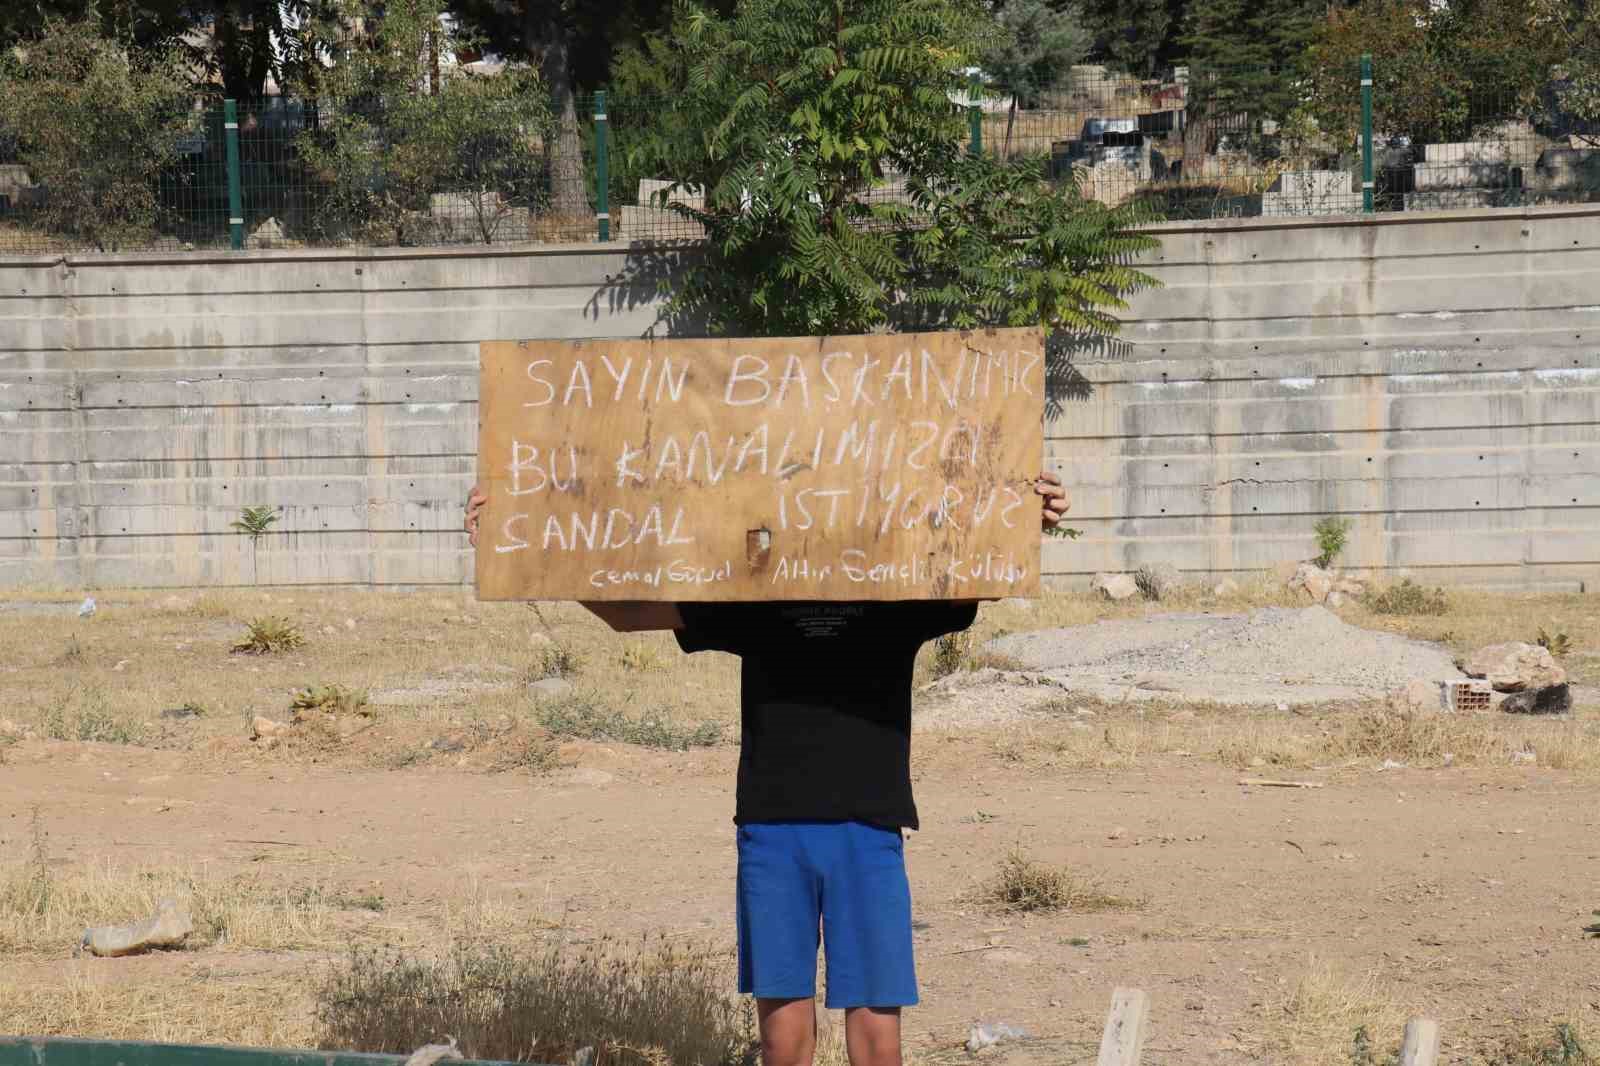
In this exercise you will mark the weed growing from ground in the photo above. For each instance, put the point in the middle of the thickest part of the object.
(1408, 598)
(957, 652)
(1331, 536)
(336, 700)
(1025, 884)
(1557, 644)
(581, 718)
(28, 891)
(1151, 583)
(268, 635)
(84, 713)
(641, 657)
(655, 1003)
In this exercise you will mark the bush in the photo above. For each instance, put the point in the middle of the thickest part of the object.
(580, 718)
(1151, 583)
(85, 714)
(269, 634)
(1409, 599)
(1557, 644)
(1024, 884)
(385, 149)
(654, 1004)
(95, 125)
(1331, 535)
(334, 700)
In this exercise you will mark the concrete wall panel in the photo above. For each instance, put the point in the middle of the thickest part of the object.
(1434, 378)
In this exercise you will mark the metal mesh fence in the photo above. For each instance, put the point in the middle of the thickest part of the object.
(311, 174)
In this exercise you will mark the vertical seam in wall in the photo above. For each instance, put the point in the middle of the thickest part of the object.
(365, 265)
(82, 543)
(1527, 377)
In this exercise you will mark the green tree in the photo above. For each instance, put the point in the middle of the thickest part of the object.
(385, 144)
(794, 112)
(95, 123)
(1442, 73)
(1244, 57)
(1036, 46)
(1140, 36)
(135, 24)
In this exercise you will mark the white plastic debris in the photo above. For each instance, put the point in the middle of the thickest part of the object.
(988, 1034)
(86, 608)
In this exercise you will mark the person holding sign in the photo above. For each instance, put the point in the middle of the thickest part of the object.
(823, 797)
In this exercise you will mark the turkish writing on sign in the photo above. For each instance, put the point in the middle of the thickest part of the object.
(888, 467)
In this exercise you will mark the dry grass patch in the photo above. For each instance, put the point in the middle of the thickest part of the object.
(1336, 1019)
(1564, 1043)
(1025, 884)
(651, 1004)
(45, 911)
(195, 1007)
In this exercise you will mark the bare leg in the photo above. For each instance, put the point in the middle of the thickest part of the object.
(788, 1031)
(872, 1035)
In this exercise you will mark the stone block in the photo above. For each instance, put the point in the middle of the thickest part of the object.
(655, 223)
(1460, 175)
(1450, 199)
(1311, 192)
(1461, 152)
(688, 196)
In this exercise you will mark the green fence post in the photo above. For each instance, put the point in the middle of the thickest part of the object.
(230, 137)
(974, 117)
(602, 168)
(1366, 133)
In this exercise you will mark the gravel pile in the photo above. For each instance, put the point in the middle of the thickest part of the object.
(1273, 655)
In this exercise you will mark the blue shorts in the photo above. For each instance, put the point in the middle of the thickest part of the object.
(846, 880)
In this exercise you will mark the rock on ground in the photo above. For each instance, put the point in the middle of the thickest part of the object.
(265, 728)
(1556, 699)
(1415, 697)
(1312, 580)
(1115, 586)
(550, 688)
(167, 928)
(1515, 666)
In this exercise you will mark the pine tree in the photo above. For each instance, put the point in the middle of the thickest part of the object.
(1244, 56)
(1140, 36)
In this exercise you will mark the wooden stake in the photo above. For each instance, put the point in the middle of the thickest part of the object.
(1123, 1041)
(1267, 782)
(1421, 1046)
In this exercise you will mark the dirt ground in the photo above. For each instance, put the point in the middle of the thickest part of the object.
(1445, 866)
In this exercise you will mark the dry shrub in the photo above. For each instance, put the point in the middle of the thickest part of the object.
(581, 717)
(84, 712)
(43, 910)
(959, 651)
(1331, 1019)
(188, 1008)
(631, 1006)
(1408, 598)
(1024, 884)
(268, 635)
(335, 700)
(1563, 1044)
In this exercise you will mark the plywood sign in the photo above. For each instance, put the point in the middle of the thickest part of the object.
(888, 467)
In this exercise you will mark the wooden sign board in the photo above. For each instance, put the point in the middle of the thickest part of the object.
(885, 467)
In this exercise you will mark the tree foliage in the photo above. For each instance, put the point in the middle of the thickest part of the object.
(1140, 36)
(793, 113)
(1244, 55)
(95, 124)
(1440, 72)
(385, 143)
(1037, 44)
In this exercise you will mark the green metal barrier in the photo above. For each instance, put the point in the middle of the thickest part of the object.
(64, 1051)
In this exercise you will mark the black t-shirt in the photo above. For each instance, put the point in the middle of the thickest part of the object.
(825, 702)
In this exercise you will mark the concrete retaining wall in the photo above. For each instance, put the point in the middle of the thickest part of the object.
(1436, 379)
